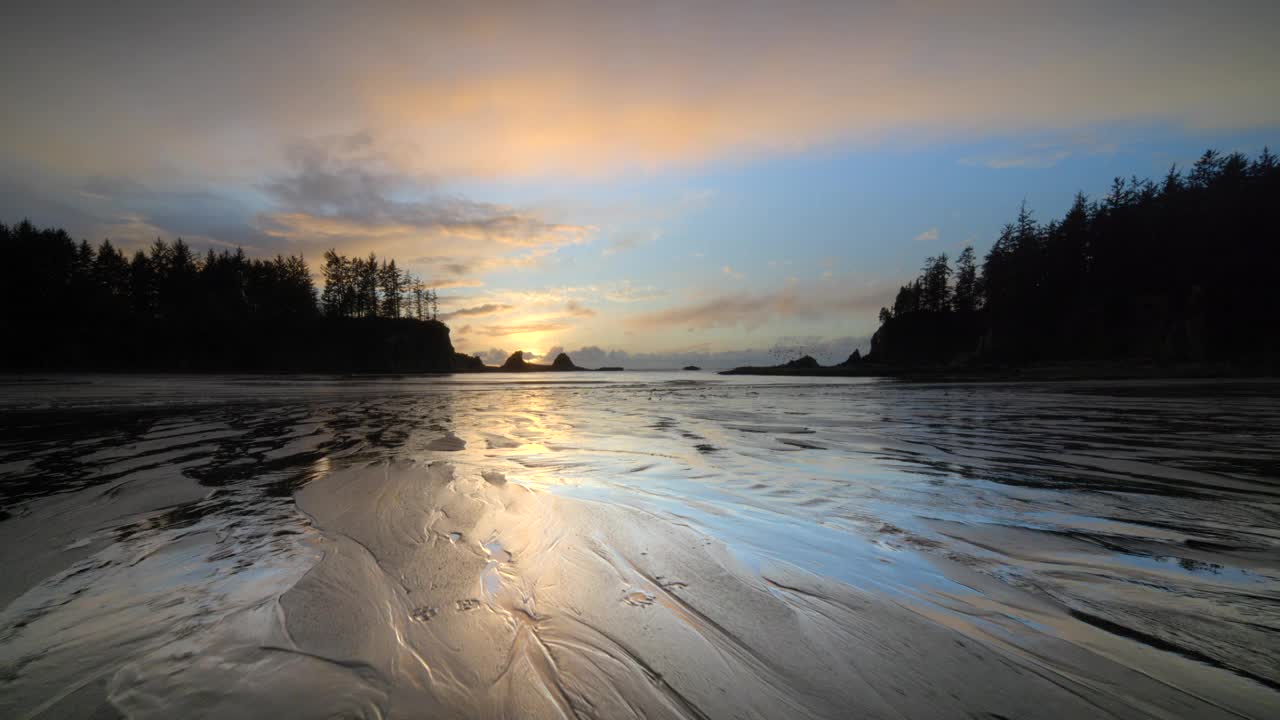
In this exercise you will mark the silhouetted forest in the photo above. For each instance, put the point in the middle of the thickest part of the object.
(71, 305)
(1185, 269)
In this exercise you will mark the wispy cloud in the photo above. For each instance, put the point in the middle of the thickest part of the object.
(626, 292)
(478, 310)
(353, 192)
(344, 186)
(752, 310)
(928, 235)
(1028, 159)
(1042, 154)
(630, 240)
(576, 309)
(728, 270)
(521, 329)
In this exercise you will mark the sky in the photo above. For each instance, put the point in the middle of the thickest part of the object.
(643, 184)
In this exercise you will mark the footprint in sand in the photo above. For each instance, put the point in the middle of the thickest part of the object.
(466, 604)
(639, 598)
(423, 614)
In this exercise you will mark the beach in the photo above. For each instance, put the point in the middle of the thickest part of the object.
(637, 545)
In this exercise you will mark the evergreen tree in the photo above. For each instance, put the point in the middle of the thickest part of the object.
(965, 298)
(1175, 269)
(934, 284)
(392, 289)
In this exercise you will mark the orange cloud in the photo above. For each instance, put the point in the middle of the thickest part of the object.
(528, 89)
(523, 329)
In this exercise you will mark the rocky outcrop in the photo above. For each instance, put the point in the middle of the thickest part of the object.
(467, 363)
(562, 362)
(855, 366)
(805, 363)
(516, 363)
(363, 345)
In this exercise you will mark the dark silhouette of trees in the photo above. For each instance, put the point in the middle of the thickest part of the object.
(356, 288)
(965, 297)
(1179, 270)
(390, 281)
(934, 288)
(69, 305)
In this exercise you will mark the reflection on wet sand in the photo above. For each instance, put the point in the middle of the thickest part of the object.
(646, 546)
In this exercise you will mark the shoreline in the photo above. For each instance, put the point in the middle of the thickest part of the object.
(1036, 373)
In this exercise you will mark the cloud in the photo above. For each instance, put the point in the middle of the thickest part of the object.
(522, 329)
(626, 292)
(356, 192)
(630, 240)
(479, 310)
(1045, 153)
(347, 185)
(450, 271)
(493, 356)
(751, 310)
(575, 309)
(131, 214)
(1029, 159)
(728, 270)
(928, 235)
(585, 88)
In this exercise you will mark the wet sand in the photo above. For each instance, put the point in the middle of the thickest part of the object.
(650, 546)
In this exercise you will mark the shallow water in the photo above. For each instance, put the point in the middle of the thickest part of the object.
(647, 544)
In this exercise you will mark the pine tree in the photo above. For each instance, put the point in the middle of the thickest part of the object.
(966, 290)
(934, 281)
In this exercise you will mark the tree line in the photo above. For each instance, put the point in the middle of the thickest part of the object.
(1180, 269)
(67, 304)
(355, 287)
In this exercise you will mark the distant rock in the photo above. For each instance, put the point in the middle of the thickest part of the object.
(692, 367)
(516, 362)
(612, 368)
(562, 362)
(805, 363)
(855, 366)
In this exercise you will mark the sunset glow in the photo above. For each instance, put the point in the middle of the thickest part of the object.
(527, 159)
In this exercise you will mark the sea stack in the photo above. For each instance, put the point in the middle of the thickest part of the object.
(562, 362)
(515, 362)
